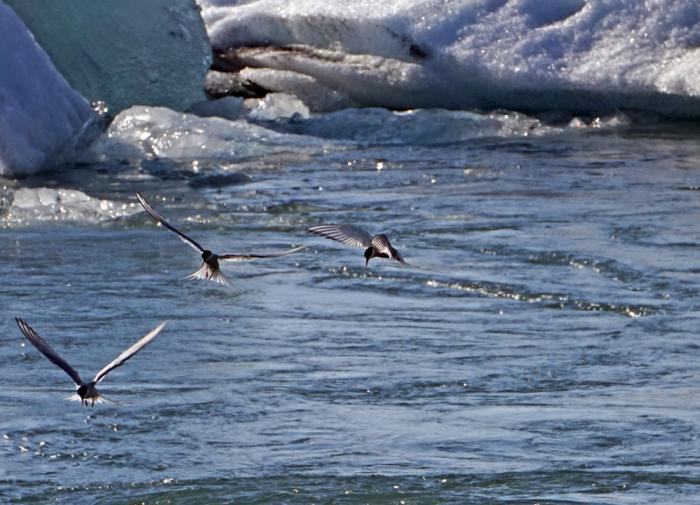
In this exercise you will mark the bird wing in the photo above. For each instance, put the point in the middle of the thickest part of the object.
(47, 350)
(382, 245)
(123, 357)
(350, 235)
(187, 240)
(244, 257)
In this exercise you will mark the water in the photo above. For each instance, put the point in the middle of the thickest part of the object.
(543, 349)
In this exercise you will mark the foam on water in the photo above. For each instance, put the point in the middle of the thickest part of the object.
(584, 56)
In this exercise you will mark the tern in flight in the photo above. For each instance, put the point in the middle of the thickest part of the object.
(87, 392)
(375, 247)
(210, 261)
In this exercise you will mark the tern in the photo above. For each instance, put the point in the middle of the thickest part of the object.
(210, 261)
(377, 246)
(86, 390)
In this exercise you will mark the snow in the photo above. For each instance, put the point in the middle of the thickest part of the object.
(582, 56)
(277, 106)
(590, 58)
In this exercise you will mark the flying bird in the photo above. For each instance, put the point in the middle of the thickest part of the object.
(86, 390)
(377, 246)
(210, 261)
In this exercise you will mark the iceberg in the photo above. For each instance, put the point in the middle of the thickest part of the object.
(40, 114)
(578, 56)
(127, 52)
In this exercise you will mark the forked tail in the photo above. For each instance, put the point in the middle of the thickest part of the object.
(207, 273)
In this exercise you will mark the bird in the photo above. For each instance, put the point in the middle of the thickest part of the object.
(87, 392)
(210, 261)
(377, 246)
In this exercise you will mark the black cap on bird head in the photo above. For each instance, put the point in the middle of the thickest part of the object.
(368, 255)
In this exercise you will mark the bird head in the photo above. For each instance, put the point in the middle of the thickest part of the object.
(368, 255)
(205, 255)
(82, 391)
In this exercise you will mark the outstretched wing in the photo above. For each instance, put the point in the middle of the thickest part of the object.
(47, 350)
(350, 235)
(187, 240)
(123, 357)
(382, 245)
(245, 257)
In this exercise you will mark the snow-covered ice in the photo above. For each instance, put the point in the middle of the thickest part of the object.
(582, 56)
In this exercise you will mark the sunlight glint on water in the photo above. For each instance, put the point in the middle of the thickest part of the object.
(543, 349)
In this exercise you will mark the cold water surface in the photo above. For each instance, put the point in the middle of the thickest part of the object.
(543, 347)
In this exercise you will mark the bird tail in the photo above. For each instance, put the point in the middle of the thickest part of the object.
(397, 256)
(202, 273)
(205, 272)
